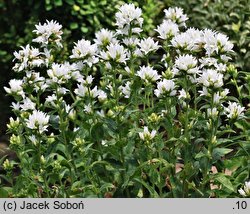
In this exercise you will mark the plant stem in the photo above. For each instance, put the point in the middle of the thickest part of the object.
(238, 89)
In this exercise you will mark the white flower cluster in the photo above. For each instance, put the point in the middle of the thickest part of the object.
(165, 86)
(28, 58)
(83, 91)
(234, 110)
(215, 44)
(186, 63)
(146, 135)
(27, 104)
(15, 87)
(85, 51)
(116, 62)
(104, 37)
(147, 45)
(245, 191)
(202, 57)
(38, 120)
(148, 74)
(129, 20)
(176, 15)
(211, 78)
(115, 53)
(167, 29)
(60, 73)
(126, 90)
(48, 32)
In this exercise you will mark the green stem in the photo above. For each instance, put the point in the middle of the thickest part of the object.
(213, 133)
(186, 139)
(63, 127)
(238, 89)
(115, 87)
(186, 131)
(195, 97)
(152, 100)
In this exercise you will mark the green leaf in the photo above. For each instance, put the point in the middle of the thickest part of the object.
(70, 2)
(154, 176)
(60, 148)
(84, 29)
(5, 192)
(129, 148)
(242, 177)
(54, 121)
(241, 125)
(221, 133)
(152, 192)
(5, 178)
(2, 53)
(233, 163)
(222, 179)
(54, 156)
(97, 132)
(107, 187)
(109, 166)
(201, 154)
(58, 3)
(3, 159)
(76, 184)
(48, 7)
(76, 8)
(73, 25)
(236, 27)
(129, 174)
(220, 152)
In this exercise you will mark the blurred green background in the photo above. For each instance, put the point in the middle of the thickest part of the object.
(82, 18)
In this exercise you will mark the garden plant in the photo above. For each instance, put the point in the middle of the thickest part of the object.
(129, 115)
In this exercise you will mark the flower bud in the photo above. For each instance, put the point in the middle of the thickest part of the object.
(232, 70)
(7, 165)
(42, 159)
(72, 115)
(110, 113)
(15, 140)
(79, 142)
(119, 108)
(212, 113)
(209, 124)
(168, 74)
(154, 118)
(214, 140)
(51, 138)
(24, 114)
(57, 166)
(13, 124)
